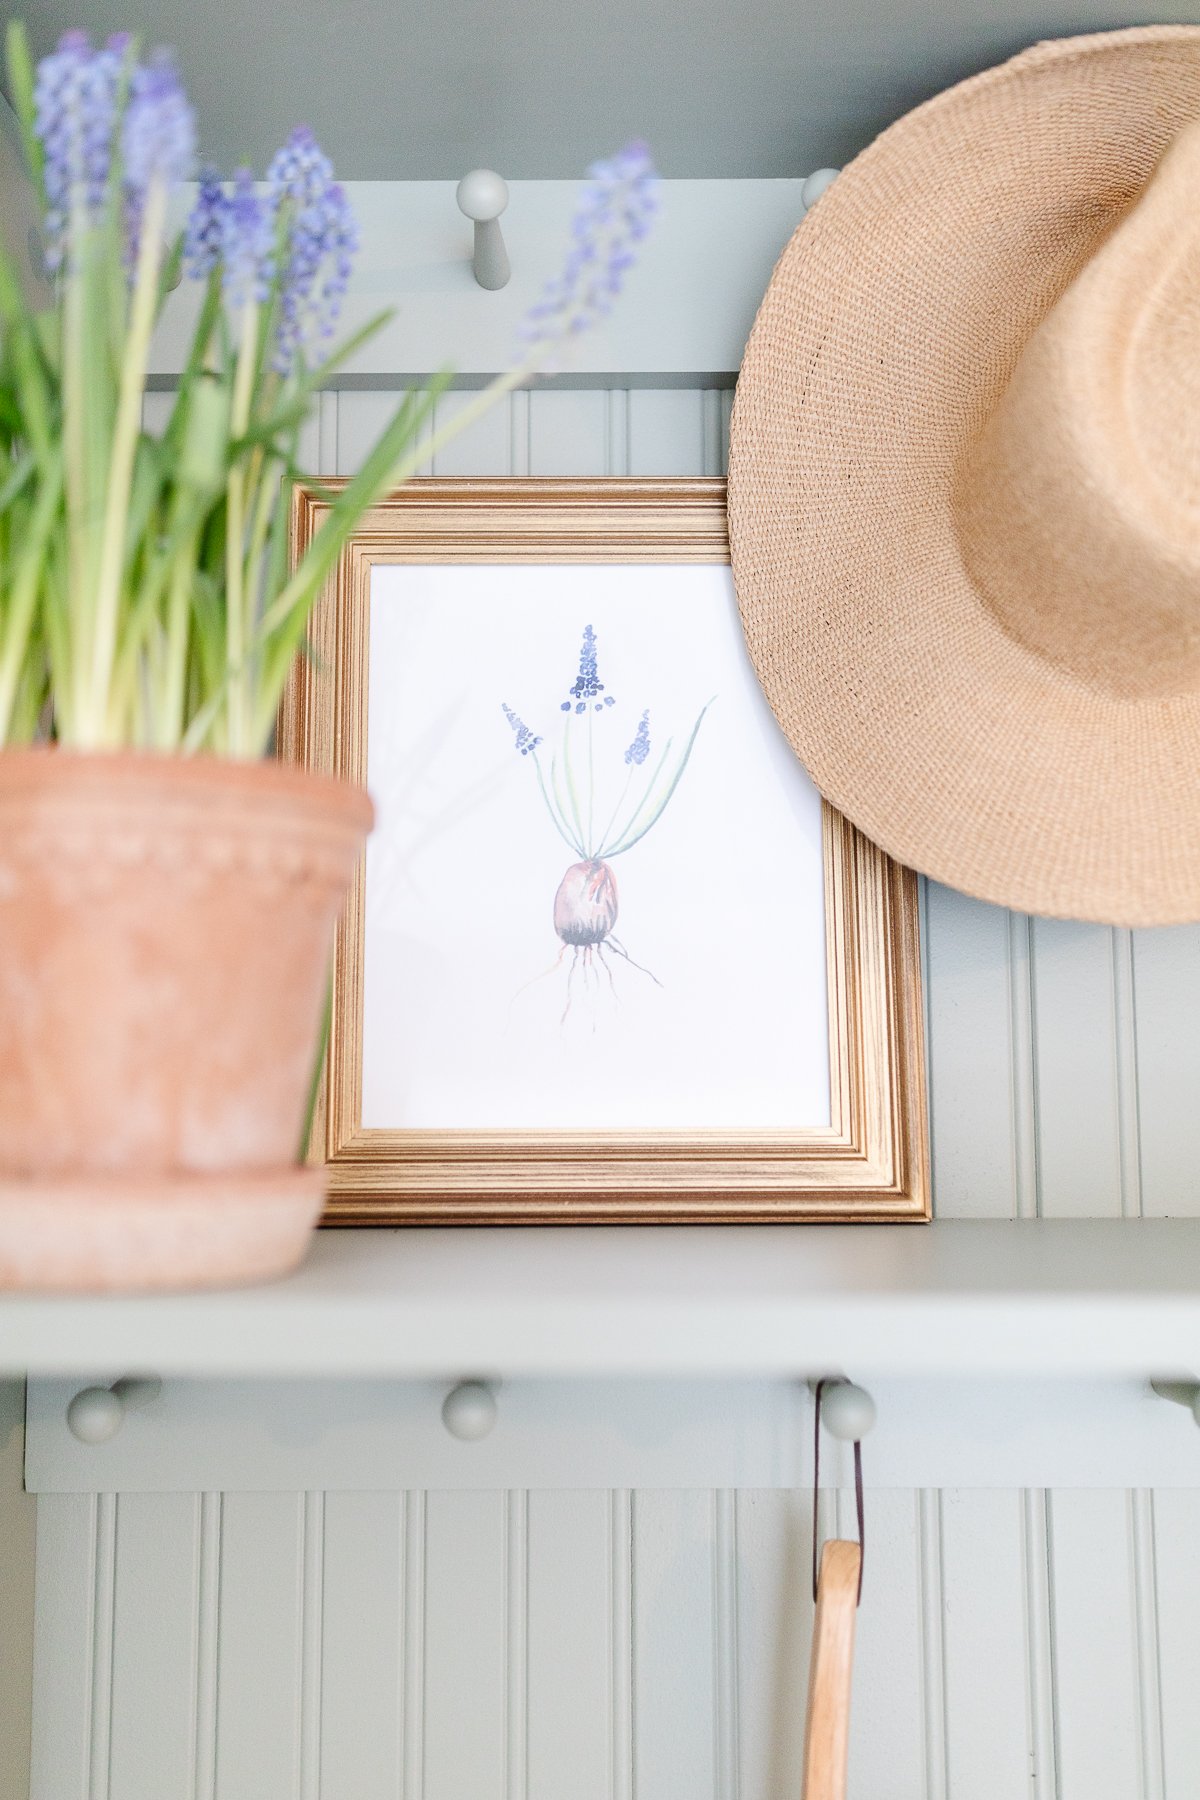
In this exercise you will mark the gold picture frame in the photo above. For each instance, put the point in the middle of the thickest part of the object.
(870, 1163)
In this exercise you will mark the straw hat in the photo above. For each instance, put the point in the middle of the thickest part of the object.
(964, 486)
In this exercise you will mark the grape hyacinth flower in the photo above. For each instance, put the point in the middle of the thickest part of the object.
(639, 750)
(75, 115)
(301, 170)
(247, 242)
(159, 137)
(614, 215)
(322, 240)
(158, 140)
(524, 740)
(587, 684)
(205, 227)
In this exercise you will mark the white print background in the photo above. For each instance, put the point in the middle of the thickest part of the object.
(722, 899)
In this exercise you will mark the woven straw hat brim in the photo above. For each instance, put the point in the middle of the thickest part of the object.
(889, 331)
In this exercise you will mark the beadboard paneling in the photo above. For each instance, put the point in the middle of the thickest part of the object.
(1175, 1546)
(1101, 1740)
(262, 1742)
(984, 1628)
(574, 1642)
(653, 1646)
(363, 1694)
(155, 1600)
(1166, 987)
(465, 1660)
(612, 1646)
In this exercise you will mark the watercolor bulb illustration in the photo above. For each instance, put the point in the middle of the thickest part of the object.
(585, 906)
(602, 792)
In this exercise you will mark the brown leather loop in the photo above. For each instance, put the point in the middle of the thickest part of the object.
(859, 1506)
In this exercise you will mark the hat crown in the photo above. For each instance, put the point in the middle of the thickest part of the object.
(1077, 505)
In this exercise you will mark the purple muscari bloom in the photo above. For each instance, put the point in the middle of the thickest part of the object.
(587, 685)
(247, 242)
(639, 750)
(322, 240)
(301, 169)
(205, 227)
(524, 740)
(614, 214)
(75, 116)
(159, 136)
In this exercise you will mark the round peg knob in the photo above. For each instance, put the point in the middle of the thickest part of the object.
(482, 195)
(847, 1411)
(95, 1415)
(815, 185)
(469, 1411)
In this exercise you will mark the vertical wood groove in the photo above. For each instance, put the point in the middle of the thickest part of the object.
(617, 432)
(1044, 1573)
(933, 1661)
(1129, 1135)
(208, 1638)
(1149, 1695)
(519, 430)
(516, 1649)
(1021, 1002)
(327, 431)
(412, 1712)
(726, 1709)
(103, 1608)
(621, 1580)
(1039, 1641)
(311, 1611)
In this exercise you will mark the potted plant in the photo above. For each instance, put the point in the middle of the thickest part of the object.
(167, 892)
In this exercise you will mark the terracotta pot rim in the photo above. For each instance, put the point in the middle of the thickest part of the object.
(129, 774)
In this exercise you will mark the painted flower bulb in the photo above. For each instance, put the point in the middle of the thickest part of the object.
(585, 906)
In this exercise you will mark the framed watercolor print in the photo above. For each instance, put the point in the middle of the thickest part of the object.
(609, 956)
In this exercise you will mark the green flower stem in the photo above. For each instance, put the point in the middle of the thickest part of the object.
(560, 800)
(237, 635)
(142, 618)
(93, 728)
(21, 87)
(466, 415)
(576, 813)
(22, 594)
(628, 841)
(26, 714)
(264, 505)
(390, 465)
(591, 778)
(556, 819)
(174, 674)
(70, 675)
(618, 809)
(647, 791)
(323, 555)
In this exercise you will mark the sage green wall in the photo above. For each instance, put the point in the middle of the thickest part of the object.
(536, 89)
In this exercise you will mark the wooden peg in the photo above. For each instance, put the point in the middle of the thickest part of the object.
(827, 1731)
(483, 195)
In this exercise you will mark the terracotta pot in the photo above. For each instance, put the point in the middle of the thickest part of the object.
(165, 930)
